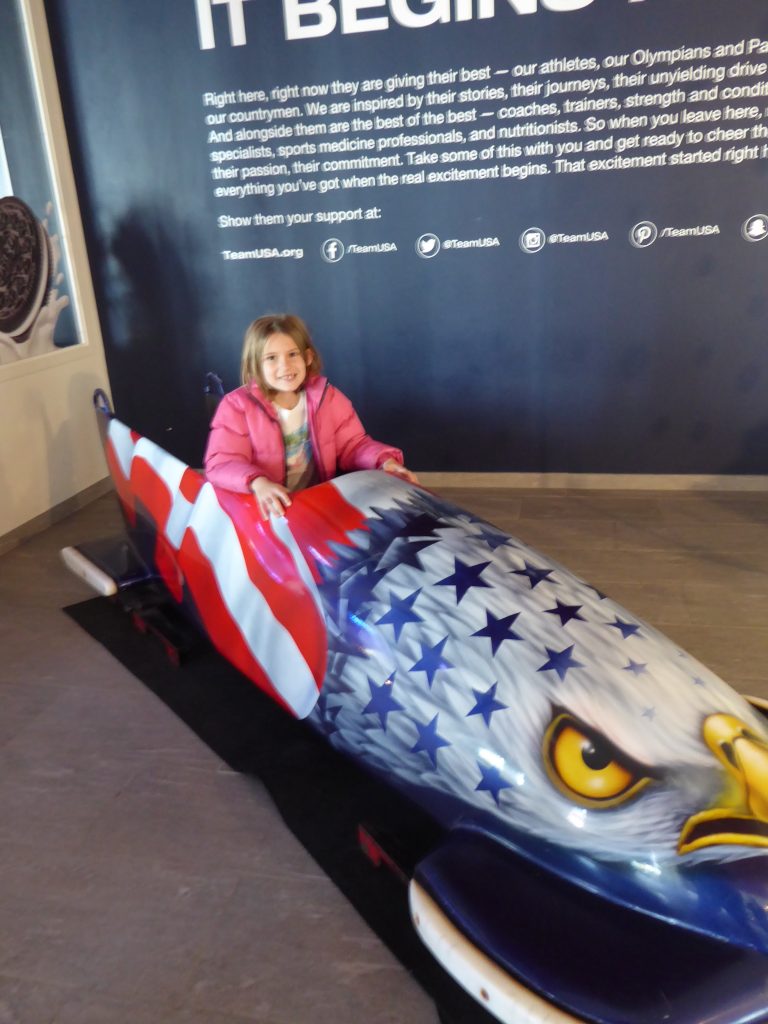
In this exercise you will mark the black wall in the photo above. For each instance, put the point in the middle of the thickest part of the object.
(584, 357)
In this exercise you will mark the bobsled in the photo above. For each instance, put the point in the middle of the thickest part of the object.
(603, 796)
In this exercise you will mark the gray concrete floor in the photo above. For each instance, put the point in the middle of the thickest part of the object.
(142, 881)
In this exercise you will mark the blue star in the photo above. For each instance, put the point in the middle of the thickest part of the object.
(491, 780)
(428, 503)
(358, 590)
(535, 576)
(351, 641)
(429, 740)
(497, 630)
(421, 525)
(329, 594)
(402, 551)
(464, 577)
(627, 628)
(327, 715)
(698, 681)
(492, 537)
(560, 661)
(389, 522)
(400, 612)
(637, 667)
(566, 612)
(649, 713)
(382, 702)
(322, 705)
(486, 704)
(393, 535)
(431, 660)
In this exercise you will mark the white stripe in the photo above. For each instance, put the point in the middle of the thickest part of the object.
(282, 531)
(269, 641)
(178, 520)
(372, 487)
(164, 464)
(123, 444)
(171, 471)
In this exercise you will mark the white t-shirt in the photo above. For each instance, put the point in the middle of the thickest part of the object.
(300, 471)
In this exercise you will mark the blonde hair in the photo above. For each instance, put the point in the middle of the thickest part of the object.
(257, 336)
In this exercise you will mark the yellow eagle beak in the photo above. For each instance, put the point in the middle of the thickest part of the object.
(741, 815)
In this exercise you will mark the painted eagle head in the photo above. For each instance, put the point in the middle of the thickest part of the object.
(470, 667)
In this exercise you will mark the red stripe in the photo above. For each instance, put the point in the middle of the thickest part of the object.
(190, 485)
(151, 490)
(320, 517)
(168, 567)
(273, 571)
(222, 629)
(155, 496)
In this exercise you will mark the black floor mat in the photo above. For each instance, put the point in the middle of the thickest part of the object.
(254, 736)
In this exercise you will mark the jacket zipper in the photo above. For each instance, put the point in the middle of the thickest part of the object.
(311, 414)
(274, 420)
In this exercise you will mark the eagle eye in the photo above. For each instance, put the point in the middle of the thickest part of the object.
(586, 767)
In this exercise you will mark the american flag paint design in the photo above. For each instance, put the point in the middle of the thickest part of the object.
(438, 650)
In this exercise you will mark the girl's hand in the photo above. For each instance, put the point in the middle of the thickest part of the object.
(273, 499)
(393, 466)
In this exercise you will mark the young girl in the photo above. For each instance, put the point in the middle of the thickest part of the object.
(287, 428)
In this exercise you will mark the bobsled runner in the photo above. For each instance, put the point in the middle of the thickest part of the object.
(603, 795)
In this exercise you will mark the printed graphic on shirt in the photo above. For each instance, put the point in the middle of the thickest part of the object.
(299, 461)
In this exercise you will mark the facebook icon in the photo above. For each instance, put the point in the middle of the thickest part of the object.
(332, 250)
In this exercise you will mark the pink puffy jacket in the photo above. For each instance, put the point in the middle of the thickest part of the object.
(246, 440)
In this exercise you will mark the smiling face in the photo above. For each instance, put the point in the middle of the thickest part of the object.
(283, 364)
(273, 335)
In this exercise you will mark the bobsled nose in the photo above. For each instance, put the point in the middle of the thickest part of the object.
(740, 815)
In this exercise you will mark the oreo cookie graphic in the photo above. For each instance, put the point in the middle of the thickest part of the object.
(25, 266)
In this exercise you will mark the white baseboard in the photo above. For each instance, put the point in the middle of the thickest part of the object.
(55, 514)
(596, 481)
